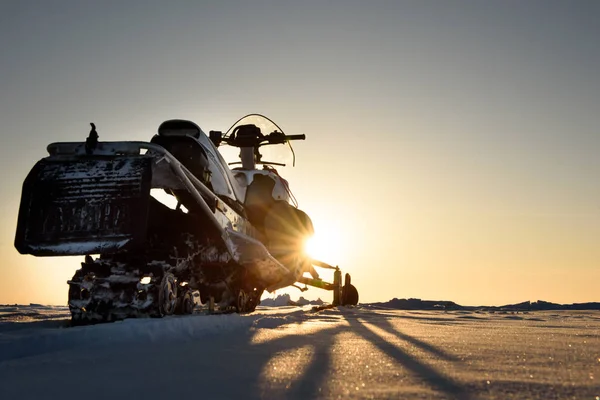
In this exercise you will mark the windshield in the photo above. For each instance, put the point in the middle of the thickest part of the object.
(277, 155)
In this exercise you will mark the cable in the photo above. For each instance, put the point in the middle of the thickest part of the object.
(289, 142)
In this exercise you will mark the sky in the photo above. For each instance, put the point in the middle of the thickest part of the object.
(452, 146)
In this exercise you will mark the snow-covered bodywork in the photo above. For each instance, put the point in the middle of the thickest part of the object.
(231, 235)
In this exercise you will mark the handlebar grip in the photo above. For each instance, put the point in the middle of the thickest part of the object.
(295, 137)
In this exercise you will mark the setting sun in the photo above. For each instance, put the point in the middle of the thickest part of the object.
(325, 245)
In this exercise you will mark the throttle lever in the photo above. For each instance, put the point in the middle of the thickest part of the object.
(277, 137)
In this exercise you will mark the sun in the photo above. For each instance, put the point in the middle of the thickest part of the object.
(325, 245)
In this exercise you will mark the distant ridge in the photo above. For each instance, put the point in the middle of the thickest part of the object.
(418, 304)
(540, 305)
(395, 303)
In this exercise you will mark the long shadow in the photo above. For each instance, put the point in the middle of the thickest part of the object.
(385, 325)
(431, 376)
(313, 378)
(322, 341)
(429, 319)
(315, 374)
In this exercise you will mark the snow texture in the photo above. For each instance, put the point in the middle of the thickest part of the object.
(78, 247)
(300, 353)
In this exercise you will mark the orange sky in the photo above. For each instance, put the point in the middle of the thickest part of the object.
(451, 152)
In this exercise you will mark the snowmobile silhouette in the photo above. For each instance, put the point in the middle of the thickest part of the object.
(232, 234)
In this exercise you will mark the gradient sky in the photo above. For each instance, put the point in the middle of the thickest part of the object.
(452, 146)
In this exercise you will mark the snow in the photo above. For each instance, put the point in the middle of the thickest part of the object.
(78, 247)
(21, 340)
(297, 353)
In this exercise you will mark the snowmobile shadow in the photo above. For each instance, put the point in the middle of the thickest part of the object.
(312, 381)
(436, 320)
(432, 377)
(385, 325)
(314, 375)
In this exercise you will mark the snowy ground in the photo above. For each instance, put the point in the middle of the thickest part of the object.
(295, 353)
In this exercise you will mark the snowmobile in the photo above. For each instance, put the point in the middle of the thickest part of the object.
(225, 236)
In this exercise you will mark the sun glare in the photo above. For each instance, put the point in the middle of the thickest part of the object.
(324, 245)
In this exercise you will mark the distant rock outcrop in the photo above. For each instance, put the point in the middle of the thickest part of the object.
(418, 304)
(286, 300)
(540, 305)
(302, 302)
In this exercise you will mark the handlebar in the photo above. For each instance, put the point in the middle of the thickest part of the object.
(279, 138)
(295, 137)
(250, 136)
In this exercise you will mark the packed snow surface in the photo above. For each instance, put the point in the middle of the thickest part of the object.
(303, 353)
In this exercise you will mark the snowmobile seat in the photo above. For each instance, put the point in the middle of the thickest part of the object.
(189, 152)
(179, 127)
